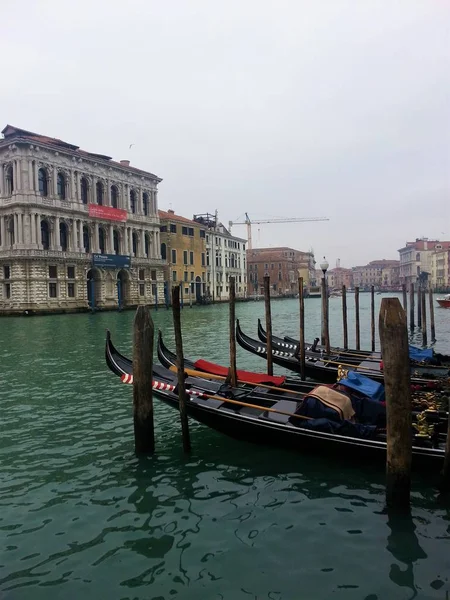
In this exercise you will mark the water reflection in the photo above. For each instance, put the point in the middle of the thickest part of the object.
(404, 546)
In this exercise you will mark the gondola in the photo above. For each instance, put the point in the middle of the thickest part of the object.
(325, 368)
(281, 422)
(438, 363)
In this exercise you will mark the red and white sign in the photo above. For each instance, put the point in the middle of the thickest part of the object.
(107, 212)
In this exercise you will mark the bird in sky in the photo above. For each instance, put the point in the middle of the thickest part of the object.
(130, 146)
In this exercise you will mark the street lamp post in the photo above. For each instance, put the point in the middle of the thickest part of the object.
(325, 335)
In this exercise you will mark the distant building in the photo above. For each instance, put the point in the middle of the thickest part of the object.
(338, 277)
(382, 274)
(440, 269)
(416, 258)
(225, 258)
(77, 229)
(183, 246)
(284, 266)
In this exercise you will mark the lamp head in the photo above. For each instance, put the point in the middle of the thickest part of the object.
(324, 265)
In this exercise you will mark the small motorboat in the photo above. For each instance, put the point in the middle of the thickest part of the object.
(444, 302)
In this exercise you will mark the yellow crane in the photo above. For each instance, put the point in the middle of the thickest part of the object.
(248, 222)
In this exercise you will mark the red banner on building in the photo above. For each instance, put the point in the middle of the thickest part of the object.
(107, 212)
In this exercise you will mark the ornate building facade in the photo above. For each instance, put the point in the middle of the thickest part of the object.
(78, 230)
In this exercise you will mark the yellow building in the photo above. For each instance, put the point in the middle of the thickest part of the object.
(183, 246)
(439, 276)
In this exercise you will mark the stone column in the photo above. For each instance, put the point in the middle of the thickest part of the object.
(80, 235)
(125, 197)
(30, 176)
(125, 241)
(38, 230)
(96, 240)
(55, 181)
(33, 229)
(78, 187)
(36, 177)
(130, 239)
(2, 177)
(140, 204)
(3, 231)
(72, 195)
(56, 240)
(155, 202)
(107, 193)
(111, 239)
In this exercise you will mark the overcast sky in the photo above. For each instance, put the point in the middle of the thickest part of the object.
(281, 108)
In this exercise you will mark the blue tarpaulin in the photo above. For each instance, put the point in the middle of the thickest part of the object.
(364, 385)
(419, 354)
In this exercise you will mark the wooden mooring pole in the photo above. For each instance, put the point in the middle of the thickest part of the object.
(419, 305)
(143, 329)
(233, 374)
(432, 327)
(397, 381)
(268, 324)
(358, 339)
(344, 316)
(323, 296)
(411, 308)
(182, 396)
(372, 316)
(302, 328)
(405, 300)
(423, 300)
(445, 482)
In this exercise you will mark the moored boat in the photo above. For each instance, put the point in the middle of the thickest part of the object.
(444, 302)
(286, 421)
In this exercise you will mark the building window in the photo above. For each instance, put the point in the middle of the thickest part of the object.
(135, 243)
(63, 236)
(9, 181)
(173, 228)
(145, 204)
(86, 244)
(192, 275)
(153, 275)
(147, 245)
(99, 193)
(154, 290)
(279, 276)
(43, 182)
(266, 266)
(186, 276)
(52, 289)
(71, 290)
(132, 201)
(114, 196)
(45, 235)
(116, 242)
(191, 258)
(184, 230)
(53, 271)
(7, 291)
(202, 233)
(61, 188)
(203, 259)
(141, 274)
(163, 228)
(185, 257)
(174, 257)
(174, 275)
(163, 251)
(191, 231)
(84, 190)
(142, 289)
(70, 272)
(101, 240)
(6, 271)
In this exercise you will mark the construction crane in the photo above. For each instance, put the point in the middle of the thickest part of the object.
(248, 222)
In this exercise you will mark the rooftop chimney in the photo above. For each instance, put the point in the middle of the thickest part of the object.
(171, 212)
(125, 163)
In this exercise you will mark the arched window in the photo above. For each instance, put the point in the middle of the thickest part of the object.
(63, 235)
(147, 245)
(135, 243)
(84, 190)
(61, 186)
(145, 203)
(86, 244)
(101, 239)
(132, 201)
(116, 242)
(114, 196)
(99, 191)
(43, 182)
(45, 235)
(163, 251)
(9, 181)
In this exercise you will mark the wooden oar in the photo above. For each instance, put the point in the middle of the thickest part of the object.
(157, 385)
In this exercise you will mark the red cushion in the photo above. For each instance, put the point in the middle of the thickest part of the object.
(213, 369)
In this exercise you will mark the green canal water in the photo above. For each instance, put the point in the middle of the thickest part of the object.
(82, 517)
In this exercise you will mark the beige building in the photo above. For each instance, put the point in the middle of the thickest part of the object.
(382, 274)
(338, 277)
(440, 269)
(77, 229)
(416, 258)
